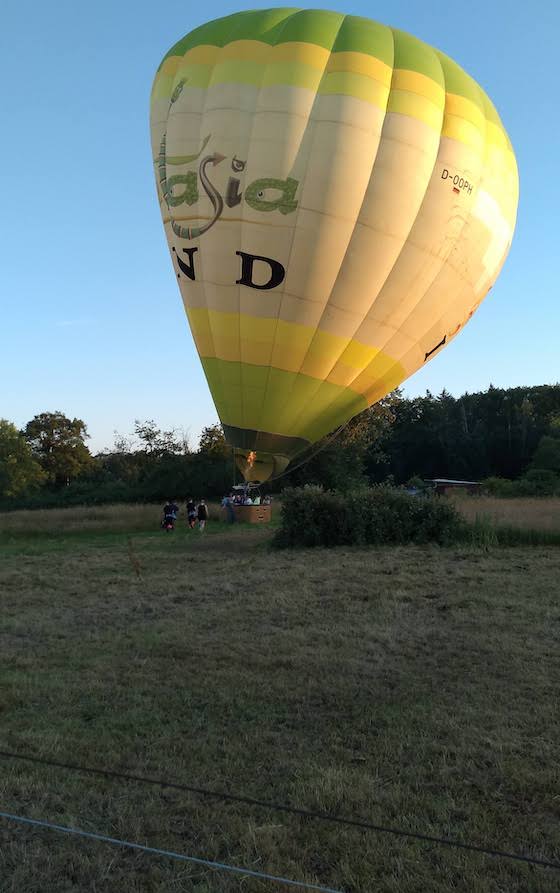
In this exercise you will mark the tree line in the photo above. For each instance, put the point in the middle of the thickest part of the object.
(509, 438)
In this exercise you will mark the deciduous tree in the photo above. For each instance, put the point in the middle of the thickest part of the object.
(19, 471)
(58, 443)
(212, 441)
(158, 443)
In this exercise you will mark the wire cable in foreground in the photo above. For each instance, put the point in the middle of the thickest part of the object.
(154, 851)
(363, 824)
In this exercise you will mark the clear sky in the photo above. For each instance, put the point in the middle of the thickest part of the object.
(92, 321)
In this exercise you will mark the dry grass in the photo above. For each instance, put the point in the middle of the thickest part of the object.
(537, 514)
(104, 518)
(414, 686)
(88, 519)
(95, 519)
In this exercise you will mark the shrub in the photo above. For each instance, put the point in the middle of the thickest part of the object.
(543, 481)
(77, 493)
(547, 455)
(417, 483)
(377, 515)
(500, 487)
(537, 482)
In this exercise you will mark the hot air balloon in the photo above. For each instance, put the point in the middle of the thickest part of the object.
(338, 198)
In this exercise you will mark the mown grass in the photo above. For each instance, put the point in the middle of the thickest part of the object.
(414, 686)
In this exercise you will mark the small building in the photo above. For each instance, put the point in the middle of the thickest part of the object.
(446, 486)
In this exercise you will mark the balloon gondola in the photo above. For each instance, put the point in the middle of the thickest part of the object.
(338, 198)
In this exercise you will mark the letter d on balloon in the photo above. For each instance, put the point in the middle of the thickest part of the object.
(276, 276)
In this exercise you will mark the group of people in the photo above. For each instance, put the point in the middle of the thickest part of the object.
(197, 513)
(247, 499)
(228, 502)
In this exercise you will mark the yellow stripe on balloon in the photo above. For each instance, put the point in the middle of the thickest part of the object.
(497, 137)
(415, 106)
(464, 132)
(245, 50)
(358, 86)
(308, 53)
(502, 158)
(236, 71)
(242, 61)
(288, 346)
(460, 107)
(360, 63)
(251, 51)
(202, 55)
(294, 74)
(414, 82)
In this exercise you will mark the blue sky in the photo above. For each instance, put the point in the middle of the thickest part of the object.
(92, 319)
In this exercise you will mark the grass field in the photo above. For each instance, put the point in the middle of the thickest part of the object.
(415, 687)
(539, 514)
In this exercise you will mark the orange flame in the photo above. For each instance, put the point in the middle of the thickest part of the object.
(251, 459)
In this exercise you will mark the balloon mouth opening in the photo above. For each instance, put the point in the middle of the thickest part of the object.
(258, 466)
(261, 455)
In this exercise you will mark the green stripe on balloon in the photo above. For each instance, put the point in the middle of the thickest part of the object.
(339, 33)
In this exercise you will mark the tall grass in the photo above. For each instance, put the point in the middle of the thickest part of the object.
(107, 518)
(483, 532)
(511, 522)
(541, 514)
(491, 521)
(89, 519)
(136, 518)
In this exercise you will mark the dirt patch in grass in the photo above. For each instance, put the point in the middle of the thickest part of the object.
(417, 687)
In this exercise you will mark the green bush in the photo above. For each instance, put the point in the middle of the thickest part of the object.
(377, 515)
(537, 482)
(547, 455)
(77, 493)
(500, 487)
(542, 481)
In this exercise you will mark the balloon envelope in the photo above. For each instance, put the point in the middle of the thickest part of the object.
(338, 198)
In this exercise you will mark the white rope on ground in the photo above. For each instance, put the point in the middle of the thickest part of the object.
(218, 866)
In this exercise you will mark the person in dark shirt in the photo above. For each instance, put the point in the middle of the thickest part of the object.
(191, 512)
(170, 511)
(202, 513)
(171, 508)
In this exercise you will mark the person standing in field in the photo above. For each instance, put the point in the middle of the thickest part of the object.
(191, 512)
(171, 509)
(227, 504)
(202, 512)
